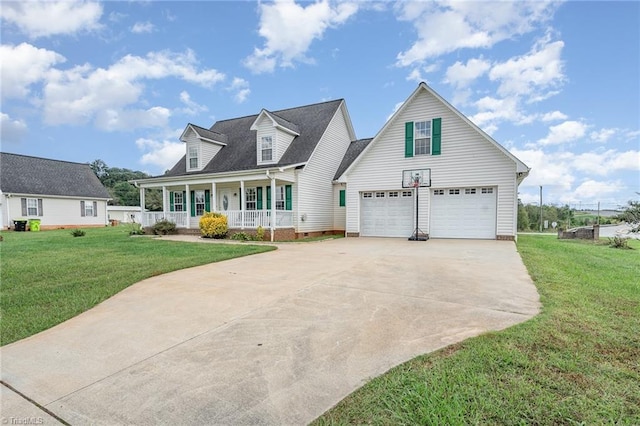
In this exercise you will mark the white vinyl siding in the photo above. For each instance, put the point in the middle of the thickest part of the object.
(279, 138)
(58, 212)
(339, 212)
(467, 160)
(315, 190)
(206, 150)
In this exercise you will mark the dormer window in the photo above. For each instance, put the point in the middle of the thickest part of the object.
(266, 149)
(193, 157)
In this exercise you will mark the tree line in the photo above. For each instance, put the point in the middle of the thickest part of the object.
(566, 217)
(123, 193)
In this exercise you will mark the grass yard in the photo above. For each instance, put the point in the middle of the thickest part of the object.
(578, 362)
(48, 277)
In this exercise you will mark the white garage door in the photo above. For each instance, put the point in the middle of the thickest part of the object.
(463, 213)
(386, 213)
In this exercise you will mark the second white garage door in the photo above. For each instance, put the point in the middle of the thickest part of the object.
(463, 213)
(387, 213)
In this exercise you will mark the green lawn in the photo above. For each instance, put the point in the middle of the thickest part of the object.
(48, 277)
(578, 362)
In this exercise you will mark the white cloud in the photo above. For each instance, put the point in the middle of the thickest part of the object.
(48, 18)
(554, 116)
(24, 65)
(126, 119)
(591, 189)
(444, 27)
(241, 88)
(547, 169)
(290, 28)
(532, 75)
(12, 131)
(83, 94)
(142, 27)
(161, 153)
(603, 135)
(191, 107)
(461, 75)
(567, 131)
(492, 110)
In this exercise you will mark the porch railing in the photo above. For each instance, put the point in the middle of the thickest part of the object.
(235, 218)
(151, 218)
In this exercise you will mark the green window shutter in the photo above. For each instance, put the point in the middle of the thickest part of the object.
(408, 139)
(259, 198)
(184, 201)
(240, 197)
(207, 200)
(287, 197)
(436, 133)
(343, 198)
(40, 211)
(268, 198)
(171, 201)
(192, 197)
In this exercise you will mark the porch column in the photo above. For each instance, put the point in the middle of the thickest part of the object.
(142, 199)
(273, 208)
(188, 197)
(243, 201)
(214, 198)
(165, 207)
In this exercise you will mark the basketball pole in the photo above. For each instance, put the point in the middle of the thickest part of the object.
(416, 234)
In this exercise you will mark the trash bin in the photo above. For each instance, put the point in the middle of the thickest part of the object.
(34, 225)
(20, 225)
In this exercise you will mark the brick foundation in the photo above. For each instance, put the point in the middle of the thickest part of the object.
(505, 237)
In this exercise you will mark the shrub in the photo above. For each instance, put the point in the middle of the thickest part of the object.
(619, 242)
(259, 234)
(213, 225)
(164, 227)
(136, 229)
(78, 233)
(241, 236)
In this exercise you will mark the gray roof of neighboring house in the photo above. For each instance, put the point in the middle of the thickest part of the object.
(22, 174)
(353, 151)
(240, 152)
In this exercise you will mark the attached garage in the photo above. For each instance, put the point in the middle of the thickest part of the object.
(387, 213)
(463, 213)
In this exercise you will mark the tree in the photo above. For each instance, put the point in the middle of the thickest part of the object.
(523, 218)
(100, 169)
(123, 193)
(631, 215)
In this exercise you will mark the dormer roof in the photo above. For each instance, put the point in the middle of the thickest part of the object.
(277, 121)
(205, 135)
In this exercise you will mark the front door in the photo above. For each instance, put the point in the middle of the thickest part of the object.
(226, 200)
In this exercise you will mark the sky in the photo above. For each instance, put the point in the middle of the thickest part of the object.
(557, 83)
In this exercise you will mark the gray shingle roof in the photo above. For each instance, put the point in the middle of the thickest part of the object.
(284, 123)
(208, 134)
(240, 152)
(21, 174)
(354, 150)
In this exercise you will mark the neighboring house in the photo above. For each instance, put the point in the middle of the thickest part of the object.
(125, 214)
(59, 193)
(301, 172)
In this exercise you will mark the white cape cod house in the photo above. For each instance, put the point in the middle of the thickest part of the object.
(301, 172)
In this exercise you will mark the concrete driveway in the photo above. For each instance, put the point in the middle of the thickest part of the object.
(275, 338)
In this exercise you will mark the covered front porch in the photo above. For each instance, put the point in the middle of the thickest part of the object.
(248, 202)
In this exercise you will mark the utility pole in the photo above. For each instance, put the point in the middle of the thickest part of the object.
(540, 208)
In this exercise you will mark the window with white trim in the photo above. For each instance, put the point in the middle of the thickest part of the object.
(32, 207)
(487, 190)
(438, 192)
(379, 194)
(422, 138)
(178, 201)
(393, 194)
(407, 193)
(454, 192)
(280, 198)
(88, 208)
(469, 191)
(250, 199)
(367, 195)
(193, 157)
(266, 148)
(199, 201)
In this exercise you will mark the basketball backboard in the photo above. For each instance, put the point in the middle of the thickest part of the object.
(416, 178)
